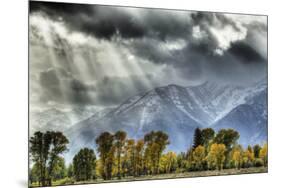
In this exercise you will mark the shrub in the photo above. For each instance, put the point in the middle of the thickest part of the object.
(258, 162)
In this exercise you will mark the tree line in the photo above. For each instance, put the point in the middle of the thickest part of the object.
(120, 157)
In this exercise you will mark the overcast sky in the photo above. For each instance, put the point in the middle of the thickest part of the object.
(101, 55)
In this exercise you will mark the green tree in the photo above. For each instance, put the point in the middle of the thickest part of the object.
(189, 158)
(45, 149)
(59, 171)
(120, 138)
(70, 171)
(257, 149)
(228, 137)
(39, 149)
(84, 164)
(181, 161)
(264, 154)
(207, 135)
(33, 173)
(197, 138)
(58, 146)
(106, 151)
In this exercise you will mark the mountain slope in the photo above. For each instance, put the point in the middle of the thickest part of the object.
(50, 119)
(249, 119)
(59, 120)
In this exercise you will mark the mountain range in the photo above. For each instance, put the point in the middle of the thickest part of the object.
(177, 111)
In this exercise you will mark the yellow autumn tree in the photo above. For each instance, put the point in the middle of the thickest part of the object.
(129, 158)
(168, 162)
(99, 168)
(263, 154)
(248, 157)
(216, 156)
(199, 157)
(139, 157)
(237, 156)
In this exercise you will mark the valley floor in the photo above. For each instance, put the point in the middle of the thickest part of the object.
(175, 175)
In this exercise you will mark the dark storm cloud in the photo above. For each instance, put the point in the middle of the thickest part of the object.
(245, 53)
(93, 20)
(240, 64)
(156, 37)
(207, 19)
(55, 8)
(107, 21)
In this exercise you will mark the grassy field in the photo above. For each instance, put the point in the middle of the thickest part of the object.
(168, 176)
